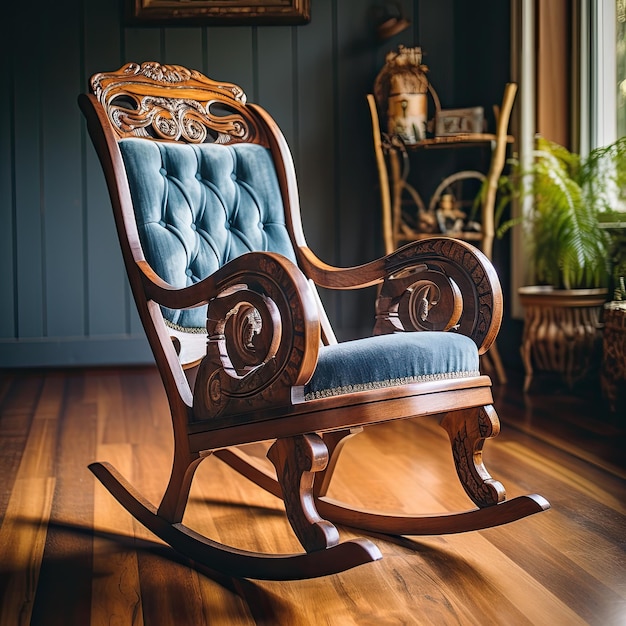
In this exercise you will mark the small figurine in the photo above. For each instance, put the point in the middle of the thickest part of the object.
(451, 219)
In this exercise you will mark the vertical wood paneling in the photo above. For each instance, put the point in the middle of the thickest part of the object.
(64, 295)
(275, 61)
(230, 56)
(7, 232)
(436, 35)
(64, 260)
(482, 71)
(108, 302)
(315, 152)
(183, 46)
(142, 44)
(354, 147)
(28, 242)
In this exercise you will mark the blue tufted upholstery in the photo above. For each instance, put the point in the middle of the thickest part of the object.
(199, 206)
(390, 360)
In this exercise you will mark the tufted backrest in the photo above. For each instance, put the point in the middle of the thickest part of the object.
(198, 206)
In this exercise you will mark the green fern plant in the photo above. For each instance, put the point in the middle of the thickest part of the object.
(569, 249)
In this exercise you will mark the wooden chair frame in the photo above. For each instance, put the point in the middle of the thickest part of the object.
(223, 394)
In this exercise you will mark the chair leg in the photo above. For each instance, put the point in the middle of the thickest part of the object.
(174, 501)
(296, 460)
(334, 442)
(468, 430)
(254, 469)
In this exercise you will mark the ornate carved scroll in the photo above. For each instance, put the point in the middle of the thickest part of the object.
(174, 103)
(423, 300)
(441, 284)
(258, 334)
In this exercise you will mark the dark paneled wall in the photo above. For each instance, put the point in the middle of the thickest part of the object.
(63, 293)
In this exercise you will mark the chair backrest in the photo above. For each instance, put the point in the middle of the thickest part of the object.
(200, 172)
(200, 206)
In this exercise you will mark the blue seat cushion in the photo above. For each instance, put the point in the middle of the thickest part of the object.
(390, 360)
(199, 206)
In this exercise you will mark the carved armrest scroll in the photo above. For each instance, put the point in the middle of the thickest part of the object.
(263, 338)
(421, 299)
(440, 284)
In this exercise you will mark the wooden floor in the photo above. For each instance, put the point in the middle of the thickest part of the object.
(70, 555)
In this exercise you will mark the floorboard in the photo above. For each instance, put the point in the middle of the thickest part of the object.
(69, 554)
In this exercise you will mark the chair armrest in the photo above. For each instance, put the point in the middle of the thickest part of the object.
(437, 283)
(213, 286)
(263, 332)
(441, 284)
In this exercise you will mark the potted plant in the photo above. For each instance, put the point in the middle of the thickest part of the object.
(568, 251)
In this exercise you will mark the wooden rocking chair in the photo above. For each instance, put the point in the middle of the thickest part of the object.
(206, 206)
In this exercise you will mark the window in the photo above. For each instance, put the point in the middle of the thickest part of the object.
(604, 81)
(589, 37)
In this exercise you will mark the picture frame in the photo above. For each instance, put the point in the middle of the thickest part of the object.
(451, 122)
(218, 12)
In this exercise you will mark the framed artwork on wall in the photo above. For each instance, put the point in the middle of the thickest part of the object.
(225, 12)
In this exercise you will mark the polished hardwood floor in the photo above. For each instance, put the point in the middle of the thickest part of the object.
(70, 555)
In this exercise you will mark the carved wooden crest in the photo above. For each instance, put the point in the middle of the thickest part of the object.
(174, 103)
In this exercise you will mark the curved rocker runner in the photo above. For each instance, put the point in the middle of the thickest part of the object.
(232, 561)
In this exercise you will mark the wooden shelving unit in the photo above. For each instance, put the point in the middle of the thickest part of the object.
(393, 172)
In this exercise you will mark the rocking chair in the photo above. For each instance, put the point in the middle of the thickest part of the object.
(206, 206)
